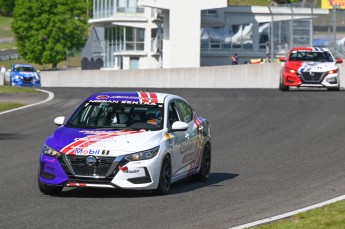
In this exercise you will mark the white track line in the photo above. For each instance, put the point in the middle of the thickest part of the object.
(278, 217)
(50, 97)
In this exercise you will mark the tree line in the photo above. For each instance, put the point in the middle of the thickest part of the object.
(46, 29)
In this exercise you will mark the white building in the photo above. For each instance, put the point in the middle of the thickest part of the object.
(146, 34)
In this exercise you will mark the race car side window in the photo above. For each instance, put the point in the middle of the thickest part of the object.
(185, 111)
(173, 115)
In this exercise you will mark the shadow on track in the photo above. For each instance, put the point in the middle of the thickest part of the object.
(4, 136)
(181, 186)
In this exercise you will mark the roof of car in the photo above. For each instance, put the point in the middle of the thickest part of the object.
(315, 49)
(135, 97)
(22, 65)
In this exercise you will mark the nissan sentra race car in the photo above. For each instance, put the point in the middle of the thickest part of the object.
(310, 67)
(127, 140)
(22, 75)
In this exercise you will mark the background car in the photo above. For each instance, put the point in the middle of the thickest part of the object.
(310, 67)
(127, 140)
(22, 75)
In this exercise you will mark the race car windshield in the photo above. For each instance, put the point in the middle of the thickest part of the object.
(24, 69)
(118, 116)
(311, 56)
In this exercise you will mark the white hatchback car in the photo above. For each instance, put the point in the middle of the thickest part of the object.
(127, 140)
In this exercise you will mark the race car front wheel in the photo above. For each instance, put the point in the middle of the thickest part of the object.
(282, 87)
(49, 190)
(164, 177)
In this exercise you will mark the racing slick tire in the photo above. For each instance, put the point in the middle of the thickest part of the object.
(164, 177)
(282, 87)
(205, 167)
(49, 190)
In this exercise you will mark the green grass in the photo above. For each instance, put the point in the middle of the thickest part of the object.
(9, 106)
(5, 27)
(328, 217)
(249, 2)
(16, 90)
(7, 45)
(73, 62)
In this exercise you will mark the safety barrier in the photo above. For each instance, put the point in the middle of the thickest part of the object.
(234, 76)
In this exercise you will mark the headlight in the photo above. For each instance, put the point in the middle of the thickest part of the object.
(290, 70)
(332, 71)
(51, 152)
(144, 155)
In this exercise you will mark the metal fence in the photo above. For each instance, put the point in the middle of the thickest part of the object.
(326, 30)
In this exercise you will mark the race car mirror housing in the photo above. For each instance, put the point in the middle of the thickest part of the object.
(282, 59)
(179, 126)
(59, 121)
(338, 60)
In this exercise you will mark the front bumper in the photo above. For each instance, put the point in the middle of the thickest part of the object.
(108, 172)
(26, 82)
(323, 80)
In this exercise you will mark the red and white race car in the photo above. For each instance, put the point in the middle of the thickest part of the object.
(310, 67)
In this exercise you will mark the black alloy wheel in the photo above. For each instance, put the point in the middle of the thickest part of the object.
(205, 166)
(165, 177)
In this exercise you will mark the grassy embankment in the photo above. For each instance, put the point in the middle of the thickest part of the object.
(328, 217)
(13, 90)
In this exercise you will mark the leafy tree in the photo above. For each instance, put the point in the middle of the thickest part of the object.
(46, 29)
(6, 7)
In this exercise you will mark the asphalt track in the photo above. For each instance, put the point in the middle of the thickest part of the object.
(273, 152)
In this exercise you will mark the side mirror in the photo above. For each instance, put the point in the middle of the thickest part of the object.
(179, 126)
(59, 121)
(282, 59)
(338, 60)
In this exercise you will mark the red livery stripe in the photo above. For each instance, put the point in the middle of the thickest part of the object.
(144, 97)
(91, 139)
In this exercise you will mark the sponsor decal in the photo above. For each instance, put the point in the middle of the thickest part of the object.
(188, 157)
(87, 151)
(188, 146)
(132, 171)
(138, 162)
(105, 152)
(167, 136)
(148, 98)
(102, 97)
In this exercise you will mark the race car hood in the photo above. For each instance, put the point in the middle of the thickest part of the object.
(102, 143)
(311, 66)
(26, 74)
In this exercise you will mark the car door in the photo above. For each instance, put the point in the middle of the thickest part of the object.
(183, 143)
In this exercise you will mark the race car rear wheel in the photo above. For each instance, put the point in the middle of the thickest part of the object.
(205, 166)
(49, 190)
(164, 177)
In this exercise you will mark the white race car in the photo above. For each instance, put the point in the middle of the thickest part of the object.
(127, 140)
